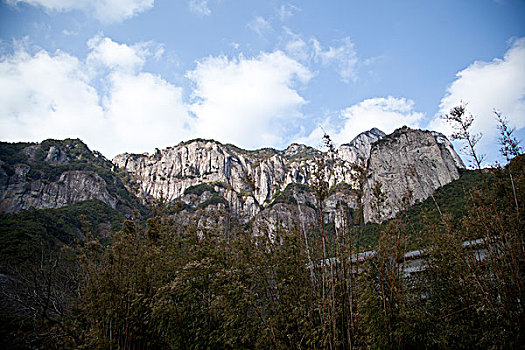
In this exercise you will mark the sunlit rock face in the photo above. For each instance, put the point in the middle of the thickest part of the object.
(393, 171)
(404, 168)
(358, 150)
(409, 164)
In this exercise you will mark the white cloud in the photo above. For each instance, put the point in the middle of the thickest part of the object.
(200, 7)
(342, 57)
(486, 86)
(299, 49)
(106, 11)
(130, 58)
(259, 25)
(386, 114)
(286, 11)
(46, 96)
(145, 112)
(106, 52)
(250, 102)
(52, 96)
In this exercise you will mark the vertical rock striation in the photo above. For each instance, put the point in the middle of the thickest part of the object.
(404, 168)
(407, 165)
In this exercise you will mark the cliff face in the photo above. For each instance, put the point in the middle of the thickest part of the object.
(404, 168)
(169, 172)
(357, 151)
(54, 174)
(204, 175)
(18, 193)
(407, 161)
(255, 175)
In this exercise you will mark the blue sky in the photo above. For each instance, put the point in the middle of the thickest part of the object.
(132, 75)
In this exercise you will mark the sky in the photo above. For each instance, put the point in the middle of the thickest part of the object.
(135, 75)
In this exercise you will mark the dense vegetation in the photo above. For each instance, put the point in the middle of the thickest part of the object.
(23, 233)
(287, 196)
(165, 285)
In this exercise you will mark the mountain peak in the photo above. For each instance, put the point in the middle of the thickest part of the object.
(358, 150)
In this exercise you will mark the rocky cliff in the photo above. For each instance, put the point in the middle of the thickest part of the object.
(54, 174)
(406, 167)
(408, 162)
(394, 171)
(357, 151)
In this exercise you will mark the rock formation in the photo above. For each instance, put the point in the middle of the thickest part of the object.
(54, 174)
(406, 167)
(258, 176)
(358, 150)
(394, 171)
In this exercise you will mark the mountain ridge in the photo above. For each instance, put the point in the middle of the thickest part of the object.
(245, 182)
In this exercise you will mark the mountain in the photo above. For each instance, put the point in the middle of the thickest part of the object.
(408, 161)
(57, 173)
(407, 166)
(58, 196)
(359, 148)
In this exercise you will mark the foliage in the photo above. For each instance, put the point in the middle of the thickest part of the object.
(205, 187)
(11, 154)
(452, 199)
(22, 233)
(199, 189)
(340, 187)
(191, 286)
(213, 200)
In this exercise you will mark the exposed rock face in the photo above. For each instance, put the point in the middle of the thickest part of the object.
(448, 148)
(283, 216)
(18, 193)
(407, 167)
(53, 174)
(260, 185)
(169, 172)
(408, 161)
(359, 148)
(55, 156)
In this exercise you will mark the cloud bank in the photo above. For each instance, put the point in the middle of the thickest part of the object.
(110, 102)
(47, 96)
(53, 96)
(106, 11)
(251, 102)
(485, 87)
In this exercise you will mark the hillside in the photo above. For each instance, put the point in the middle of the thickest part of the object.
(260, 188)
(30, 231)
(56, 173)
